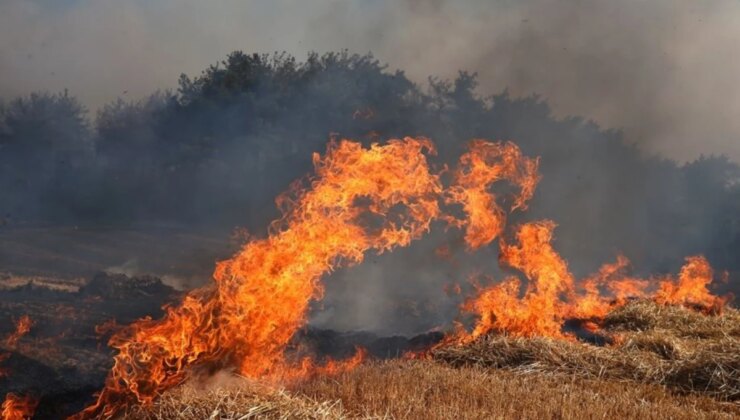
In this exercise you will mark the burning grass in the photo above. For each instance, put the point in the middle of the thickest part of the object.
(653, 344)
(426, 389)
(664, 362)
(363, 200)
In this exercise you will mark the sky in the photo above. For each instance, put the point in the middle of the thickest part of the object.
(663, 71)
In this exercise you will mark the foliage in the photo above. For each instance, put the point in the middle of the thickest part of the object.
(220, 148)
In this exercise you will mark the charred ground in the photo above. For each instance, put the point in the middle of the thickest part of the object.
(63, 360)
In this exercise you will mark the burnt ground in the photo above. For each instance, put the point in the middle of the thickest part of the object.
(182, 255)
(53, 275)
(63, 361)
(70, 279)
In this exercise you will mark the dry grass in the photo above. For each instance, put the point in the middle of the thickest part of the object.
(677, 321)
(427, 390)
(424, 389)
(232, 400)
(671, 346)
(657, 351)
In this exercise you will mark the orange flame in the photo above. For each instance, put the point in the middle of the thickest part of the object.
(553, 295)
(691, 287)
(594, 304)
(540, 311)
(22, 327)
(359, 200)
(483, 165)
(18, 407)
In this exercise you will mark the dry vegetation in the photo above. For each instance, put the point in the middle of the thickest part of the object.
(423, 389)
(226, 396)
(666, 345)
(666, 362)
(236, 403)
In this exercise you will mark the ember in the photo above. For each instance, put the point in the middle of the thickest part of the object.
(18, 407)
(22, 327)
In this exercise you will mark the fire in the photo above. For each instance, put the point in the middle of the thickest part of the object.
(593, 303)
(360, 200)
(22, 327)
(691, 287)
(483, 165)
(553, 295)
(18, 407)
(541, 310)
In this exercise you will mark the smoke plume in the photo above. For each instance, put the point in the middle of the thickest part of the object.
(663, 71)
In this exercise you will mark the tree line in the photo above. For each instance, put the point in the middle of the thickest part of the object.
(219, 149)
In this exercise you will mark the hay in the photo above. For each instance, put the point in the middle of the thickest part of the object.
(672, 346)
(429, 390)
(547, 355)
(676, 321)
(242, 402)
(658, 352)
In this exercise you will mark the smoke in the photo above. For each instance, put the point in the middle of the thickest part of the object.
(663, 71)
(660, 71)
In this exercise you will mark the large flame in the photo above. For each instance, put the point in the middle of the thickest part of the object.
(485, 164)
(553, 295)
(540, 311)
(359, 200)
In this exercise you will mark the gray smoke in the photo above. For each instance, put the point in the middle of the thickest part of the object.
(217, 155)
(663, 71)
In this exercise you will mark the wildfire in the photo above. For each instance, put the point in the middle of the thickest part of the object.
(540, 311)
(479, 168)
(359, 200)
(691, 287)
(553, 295)
(22, 327)
(18, 407)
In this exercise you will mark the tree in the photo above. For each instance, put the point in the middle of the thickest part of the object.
(44, 142)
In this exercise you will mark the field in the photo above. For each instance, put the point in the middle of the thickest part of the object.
(646, 360)
(663, 362)
(425, 389)
(69, 252)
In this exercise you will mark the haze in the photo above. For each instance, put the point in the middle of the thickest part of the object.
(663, 71)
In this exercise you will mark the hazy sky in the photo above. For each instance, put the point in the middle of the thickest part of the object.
(666, 71)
